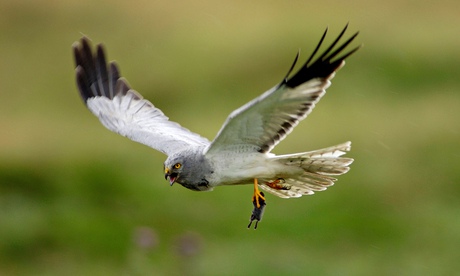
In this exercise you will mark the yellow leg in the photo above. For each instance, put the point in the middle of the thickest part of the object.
(257, 195)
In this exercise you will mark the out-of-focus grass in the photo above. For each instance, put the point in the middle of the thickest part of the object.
(75, 198)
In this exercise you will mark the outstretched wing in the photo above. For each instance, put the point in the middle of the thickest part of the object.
(265, 121)
(123, 110)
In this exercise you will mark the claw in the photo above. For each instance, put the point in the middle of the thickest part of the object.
(258, 210)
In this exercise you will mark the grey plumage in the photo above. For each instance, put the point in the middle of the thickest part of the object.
(240, 152)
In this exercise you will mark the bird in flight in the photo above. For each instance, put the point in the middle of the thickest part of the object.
(241, 151)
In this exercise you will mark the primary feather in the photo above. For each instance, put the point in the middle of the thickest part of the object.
(263, 122)
(123, 110)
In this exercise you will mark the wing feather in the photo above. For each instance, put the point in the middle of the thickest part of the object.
(263, 122)
(123, 110)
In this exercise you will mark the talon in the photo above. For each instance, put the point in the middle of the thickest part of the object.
(258, 211)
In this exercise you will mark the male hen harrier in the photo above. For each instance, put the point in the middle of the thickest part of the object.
(240, 153)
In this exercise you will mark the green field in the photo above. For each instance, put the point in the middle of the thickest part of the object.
(76, 199)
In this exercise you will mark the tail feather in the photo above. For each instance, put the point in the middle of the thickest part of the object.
(328, 166)
(318, 168)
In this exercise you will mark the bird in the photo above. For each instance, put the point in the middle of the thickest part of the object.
(240, 153)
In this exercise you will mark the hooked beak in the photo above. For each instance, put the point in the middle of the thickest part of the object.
(172, 176)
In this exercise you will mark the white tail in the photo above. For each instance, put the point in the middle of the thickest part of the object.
(319, 166)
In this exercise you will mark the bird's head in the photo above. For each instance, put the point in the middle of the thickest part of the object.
(172, 171)
(191, 171)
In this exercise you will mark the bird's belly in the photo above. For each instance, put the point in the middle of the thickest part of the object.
(243, 176)
(244, 170)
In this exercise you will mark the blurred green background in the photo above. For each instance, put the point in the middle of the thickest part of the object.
(76, 199)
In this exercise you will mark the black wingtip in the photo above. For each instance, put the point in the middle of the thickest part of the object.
(122, 87)
(84, 65)
(293, 65)
(101, 71)
(83, 87)
(317, 47)
(324, 65)
(94, 75)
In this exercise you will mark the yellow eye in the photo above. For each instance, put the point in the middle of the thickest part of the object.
(177, 166)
